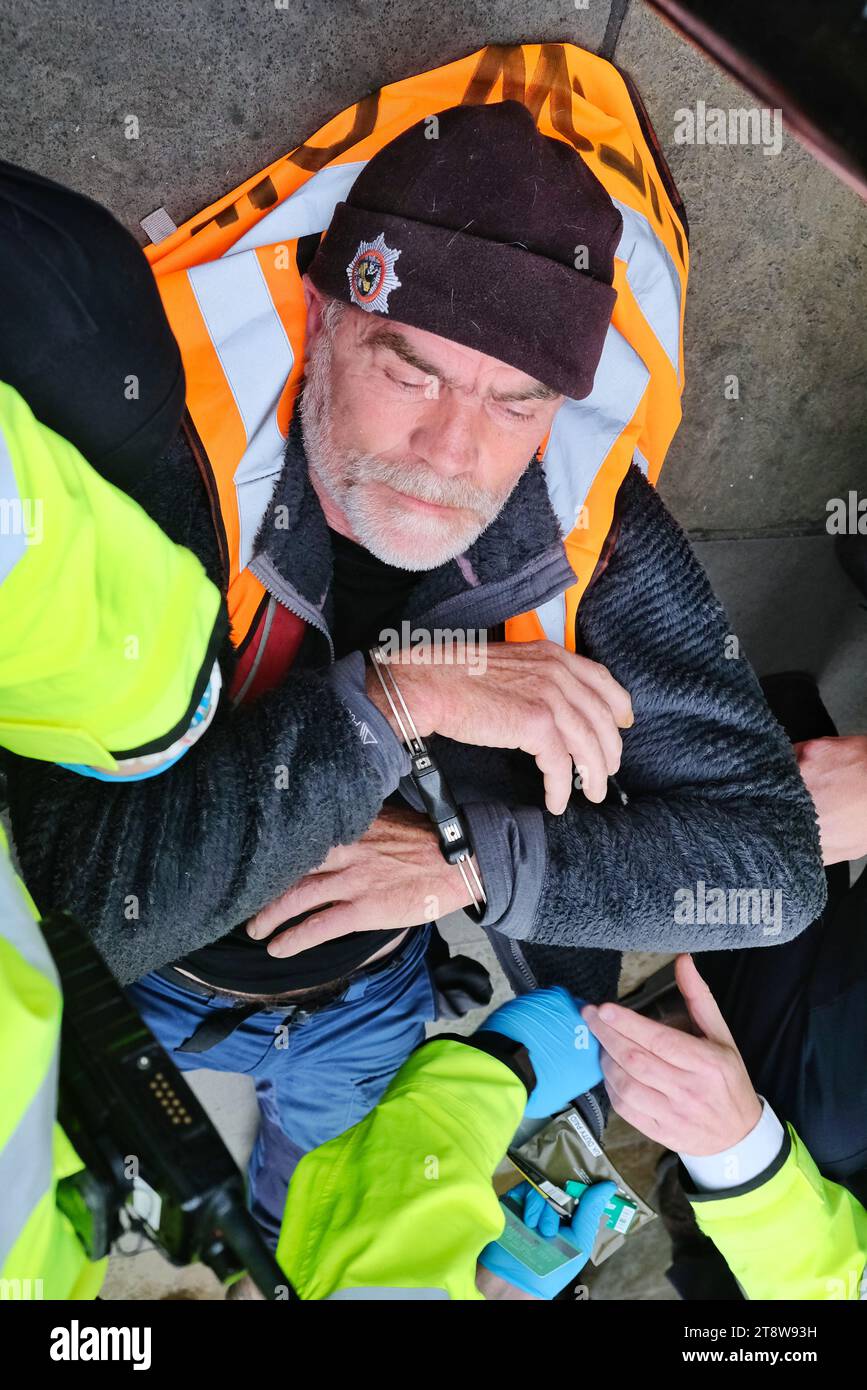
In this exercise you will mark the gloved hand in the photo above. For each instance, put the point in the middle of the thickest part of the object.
(540, 1216)
(563, 1051)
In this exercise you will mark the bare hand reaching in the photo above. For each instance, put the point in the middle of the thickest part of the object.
(692, 1094)
(835, 773)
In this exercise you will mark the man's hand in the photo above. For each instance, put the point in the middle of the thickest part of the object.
(562, 709)
(393, 877)
(692, 1094)
(835, 773)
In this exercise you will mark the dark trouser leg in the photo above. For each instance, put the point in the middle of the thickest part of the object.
(85, 339)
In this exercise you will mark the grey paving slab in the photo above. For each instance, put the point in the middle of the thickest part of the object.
(222, 87)
(777, 288)
(792, 608)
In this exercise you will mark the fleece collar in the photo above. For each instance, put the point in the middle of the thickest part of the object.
(518, 562)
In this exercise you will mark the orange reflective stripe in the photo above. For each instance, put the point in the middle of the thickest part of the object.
(662, 408)
(209, 399)
(526, 627)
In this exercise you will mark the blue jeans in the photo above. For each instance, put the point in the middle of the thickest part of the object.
(316, 1076)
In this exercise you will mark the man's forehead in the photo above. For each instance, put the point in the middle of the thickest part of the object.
(451, 362)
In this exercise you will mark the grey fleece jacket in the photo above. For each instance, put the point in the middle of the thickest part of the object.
(159, 868)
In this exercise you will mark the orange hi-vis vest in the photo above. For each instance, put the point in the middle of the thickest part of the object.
(231, 286)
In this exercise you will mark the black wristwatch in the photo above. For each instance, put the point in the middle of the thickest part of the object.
(513, 1054)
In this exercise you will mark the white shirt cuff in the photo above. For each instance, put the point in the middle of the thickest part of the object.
(743, 1162)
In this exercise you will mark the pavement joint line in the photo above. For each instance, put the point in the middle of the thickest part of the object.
(616, 16)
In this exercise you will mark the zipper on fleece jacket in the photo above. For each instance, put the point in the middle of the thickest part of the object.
(269, 576)
(554, 577)
(521, 965)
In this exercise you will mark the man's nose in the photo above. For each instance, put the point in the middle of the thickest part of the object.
(444, 436)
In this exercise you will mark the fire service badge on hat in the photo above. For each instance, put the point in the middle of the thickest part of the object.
(371, 275)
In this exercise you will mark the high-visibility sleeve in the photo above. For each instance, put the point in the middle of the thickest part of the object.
(792, 1234)
(110, 631)
(404, 1201)
(40, 1255)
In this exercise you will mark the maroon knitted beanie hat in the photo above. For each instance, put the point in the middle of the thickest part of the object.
(490, 234)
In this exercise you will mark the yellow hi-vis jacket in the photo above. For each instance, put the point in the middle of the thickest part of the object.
(107, 631)
(401, 1205)
(230, 281)
(40, 1254)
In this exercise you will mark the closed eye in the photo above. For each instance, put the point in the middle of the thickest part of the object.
(406, 385)
(523, 416)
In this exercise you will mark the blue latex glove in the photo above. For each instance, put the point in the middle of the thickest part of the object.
(540, 1216)
(563, 1051)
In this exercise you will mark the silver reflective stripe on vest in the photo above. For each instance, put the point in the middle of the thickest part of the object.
(26, 1159)
(552, 616)
(249, 337)
(584, 432)
(26, 1162)
(582, 436)
(308, 210)
(17, 924)
(256, 356)
(652, 276)
(13, 542)
(641, 462)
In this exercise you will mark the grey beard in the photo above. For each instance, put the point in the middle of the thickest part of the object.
(343, 476)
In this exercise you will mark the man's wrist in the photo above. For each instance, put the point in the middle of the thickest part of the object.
(418, 696)
(376, 696)
(385, 749)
